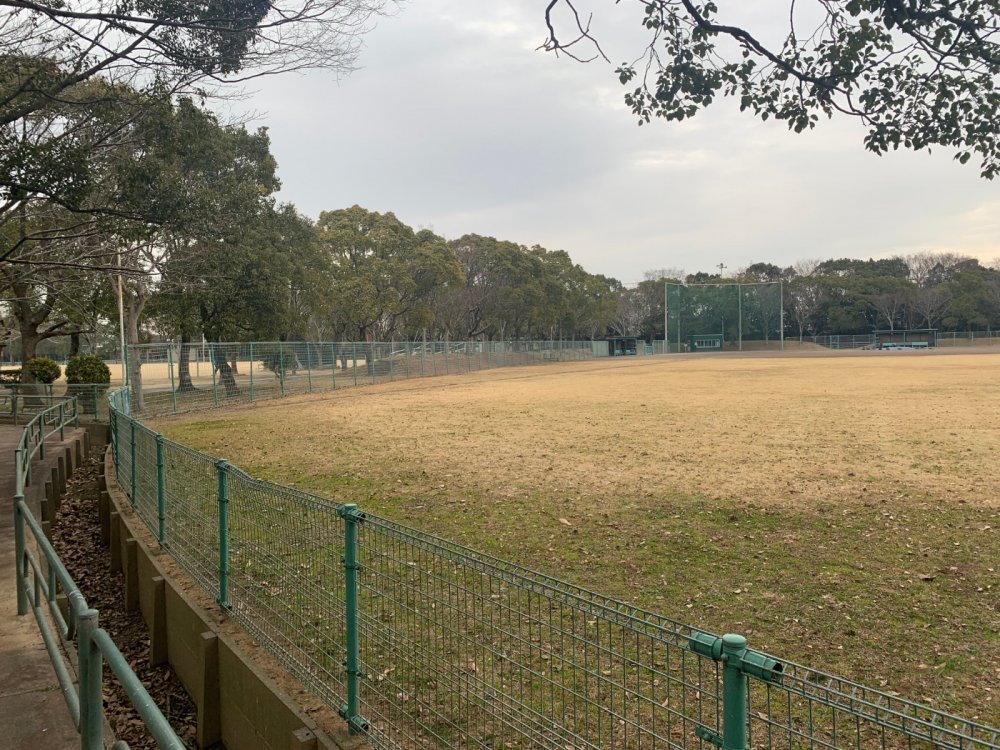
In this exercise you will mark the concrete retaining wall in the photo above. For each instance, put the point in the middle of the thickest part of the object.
(238, 703)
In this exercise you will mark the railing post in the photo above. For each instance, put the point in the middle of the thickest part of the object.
(333, 364)
(134, 477)
(22, 595)
(91, 668)
(354, 347)
(223, 599)
(350, 711)
(62, 423)
(161, 493)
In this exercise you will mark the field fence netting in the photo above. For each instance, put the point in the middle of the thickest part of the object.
(171, 378)
(454, 648)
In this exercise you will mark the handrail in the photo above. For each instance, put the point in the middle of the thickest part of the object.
(37, 586)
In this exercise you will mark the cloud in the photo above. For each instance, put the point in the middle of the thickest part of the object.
(456, 122)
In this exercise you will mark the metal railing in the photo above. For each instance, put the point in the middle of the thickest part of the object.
(42, 579)
(20, 401)
(419, 642)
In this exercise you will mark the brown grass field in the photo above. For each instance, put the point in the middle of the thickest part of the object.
(842, 511)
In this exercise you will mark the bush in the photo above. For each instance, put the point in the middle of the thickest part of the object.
(87, 369)
(43, 369)
(10, 377)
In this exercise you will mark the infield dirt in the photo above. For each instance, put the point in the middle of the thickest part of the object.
(840, 510)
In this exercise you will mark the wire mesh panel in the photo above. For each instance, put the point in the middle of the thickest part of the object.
(192, 513)
(809, 709)
(286, 584)
(146, 501)
(462, 650)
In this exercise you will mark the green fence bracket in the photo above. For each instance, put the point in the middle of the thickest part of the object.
(161, 494)
(350, 711)
(739, 663)
(223, 599)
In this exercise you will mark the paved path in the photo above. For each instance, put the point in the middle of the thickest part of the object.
(33, 713)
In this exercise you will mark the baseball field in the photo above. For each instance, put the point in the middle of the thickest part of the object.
(840, 510)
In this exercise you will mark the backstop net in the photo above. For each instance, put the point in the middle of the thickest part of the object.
(724, 316)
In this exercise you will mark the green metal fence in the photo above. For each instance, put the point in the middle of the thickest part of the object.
(418, 642)
(41, 578)
(170, 378)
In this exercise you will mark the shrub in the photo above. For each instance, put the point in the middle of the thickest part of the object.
(87, 369)
(43, 369)
(10, 377)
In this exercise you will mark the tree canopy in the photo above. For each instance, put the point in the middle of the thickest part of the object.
(916, 73)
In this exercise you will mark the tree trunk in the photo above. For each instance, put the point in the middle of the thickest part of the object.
(184, 383)
(221, 363)
(74, 344)
(133, 309)
(29, 348)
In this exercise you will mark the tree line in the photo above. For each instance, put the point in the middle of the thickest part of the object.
(117, 180)
(944, 291)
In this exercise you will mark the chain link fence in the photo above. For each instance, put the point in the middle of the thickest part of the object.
(172, 378)
(418, 642)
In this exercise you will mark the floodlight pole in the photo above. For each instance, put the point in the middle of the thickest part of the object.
(666, 330)
(739, 307)
(781, 310)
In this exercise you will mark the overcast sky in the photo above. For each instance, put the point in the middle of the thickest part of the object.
(456, 123)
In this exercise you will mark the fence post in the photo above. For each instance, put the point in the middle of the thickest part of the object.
(281, 368)
(161, 493)
(252, 368)
(22, 595)
(91, 669)
(223, 598)
(333, 364)
(371, 361)
(354, 347)
(134, 477)
(170, 368)
(734, 693)
(739, 663)
(215, 380)
(350, 711)
(62, 423)
(309, 367)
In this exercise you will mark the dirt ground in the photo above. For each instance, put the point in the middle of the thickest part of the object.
(830, 507)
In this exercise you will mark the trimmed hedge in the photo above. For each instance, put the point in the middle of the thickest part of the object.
(87, 368)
